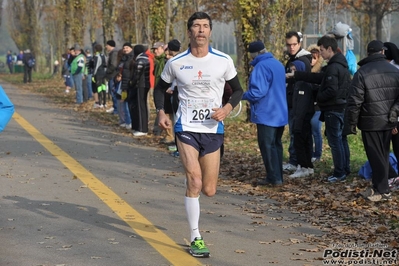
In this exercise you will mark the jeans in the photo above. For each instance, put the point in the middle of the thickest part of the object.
(124, 114)
(77, 81)
(111, 88)
(89, 87)
(347, 153)
(271, 149)
(291, 150)
(334, 125)
(317, 137)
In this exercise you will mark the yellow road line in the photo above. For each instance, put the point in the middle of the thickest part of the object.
(143, 227)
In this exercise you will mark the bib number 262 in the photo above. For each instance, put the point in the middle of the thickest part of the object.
(201, 115)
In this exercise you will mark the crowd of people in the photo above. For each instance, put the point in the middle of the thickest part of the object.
(318, 87)
(25, 60)
(119, 80)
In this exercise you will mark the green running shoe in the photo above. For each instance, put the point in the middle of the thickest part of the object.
(198, 248)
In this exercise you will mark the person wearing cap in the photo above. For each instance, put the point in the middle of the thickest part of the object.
(267, 97)
(200, 73)
(293, 42)
(331, 96)
(77, 70)
(111, 72)
(158, 50)
(373, 107)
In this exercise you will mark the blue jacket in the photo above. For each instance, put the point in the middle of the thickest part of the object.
(267, 92)
(6, 109)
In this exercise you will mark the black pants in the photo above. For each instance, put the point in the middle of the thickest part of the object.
(138, 109)
(303, 145)
(27, 74)
(376, 145)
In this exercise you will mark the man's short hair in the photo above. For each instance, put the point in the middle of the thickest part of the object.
(291, 34)
(328, 41)
(198, 15)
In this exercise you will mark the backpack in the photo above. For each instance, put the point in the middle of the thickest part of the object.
(31, 62)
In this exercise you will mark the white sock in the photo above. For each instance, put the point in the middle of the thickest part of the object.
(193, 214)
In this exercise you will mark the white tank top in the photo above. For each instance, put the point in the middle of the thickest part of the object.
(200, 83)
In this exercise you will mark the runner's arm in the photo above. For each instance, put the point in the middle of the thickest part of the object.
(235, 85)
(159, 93)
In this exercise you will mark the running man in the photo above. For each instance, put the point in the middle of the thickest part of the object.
(200, 74)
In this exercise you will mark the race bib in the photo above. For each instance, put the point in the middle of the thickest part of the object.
(200, 111)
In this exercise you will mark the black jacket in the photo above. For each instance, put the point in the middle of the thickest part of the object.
(125, 64)
(374, 93)
(306, 58)
(302, 105)
(26, 58)
(112, 66)
(334, 80)
(140, 77)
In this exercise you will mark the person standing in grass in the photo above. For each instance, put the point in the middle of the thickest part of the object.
(267, 97)
(200, 73)
(334, 83)
(373, 107)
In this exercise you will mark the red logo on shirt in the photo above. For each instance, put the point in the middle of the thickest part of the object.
(200, 74)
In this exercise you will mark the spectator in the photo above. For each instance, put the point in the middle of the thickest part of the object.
(317, 145)
(28, 65)
(171, 50)
(139, 88)
(10, 62)
(98, 66)
(77, 70)
(125, 65)
(158, 50)
(334, 84)
(111, 72)
(373, 107)
(66, 74)
(269, 111)
(295, 52)
(89, 75)
(302, 113)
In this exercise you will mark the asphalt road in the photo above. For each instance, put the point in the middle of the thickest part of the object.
(77, 193)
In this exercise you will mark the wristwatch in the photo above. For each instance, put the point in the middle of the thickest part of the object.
(160, 110)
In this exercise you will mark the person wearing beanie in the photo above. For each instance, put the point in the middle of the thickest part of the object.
(200, 73)
(139, 87)
(392, 53)
(110, 43)
(373, 107)
(174, 45)
(126, 61)
(110, 74)
(267, 98)
(127, 44)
